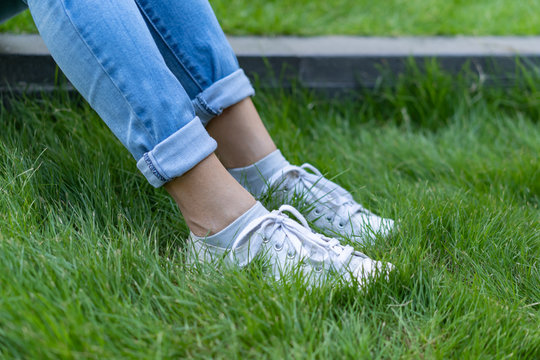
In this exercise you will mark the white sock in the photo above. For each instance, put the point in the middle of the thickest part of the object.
(226, 237)
(255, 177)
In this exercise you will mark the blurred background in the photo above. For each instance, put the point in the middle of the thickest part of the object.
(363, 17)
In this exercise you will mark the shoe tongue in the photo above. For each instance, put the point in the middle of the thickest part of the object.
(318, 255)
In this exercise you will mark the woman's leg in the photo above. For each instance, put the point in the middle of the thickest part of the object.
(198, 53)
(195, 48)
(241, 136)
(107, 52)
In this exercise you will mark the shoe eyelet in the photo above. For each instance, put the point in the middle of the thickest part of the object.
(318, 269)
(341, 225)
(329, 219)
(278, 247)
(265, 240)
(291, 254)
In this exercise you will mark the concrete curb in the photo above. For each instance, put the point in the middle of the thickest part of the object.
(327, 63)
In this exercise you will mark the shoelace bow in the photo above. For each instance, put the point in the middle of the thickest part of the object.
(324, 190)
(298, 235)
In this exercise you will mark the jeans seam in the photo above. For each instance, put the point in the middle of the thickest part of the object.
(188, 69)
(205, 106)
(101, 66)
(152, 168)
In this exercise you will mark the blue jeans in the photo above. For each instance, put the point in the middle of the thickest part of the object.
(156, 71)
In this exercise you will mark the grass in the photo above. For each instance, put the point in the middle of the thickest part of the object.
(90, 254)
(364, 17)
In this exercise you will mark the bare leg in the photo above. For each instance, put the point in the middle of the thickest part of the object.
(209, 197)
(241, 136)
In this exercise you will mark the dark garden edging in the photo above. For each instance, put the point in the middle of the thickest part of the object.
(326, 63)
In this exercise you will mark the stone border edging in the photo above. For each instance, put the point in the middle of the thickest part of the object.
(327, 63)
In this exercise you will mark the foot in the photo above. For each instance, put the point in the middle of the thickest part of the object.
(288, 245)
(330, 207)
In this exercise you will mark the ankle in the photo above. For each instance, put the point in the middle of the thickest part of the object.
(255, 177)
(209, 197)
(225, 238)
(241, 136)
(217, 218)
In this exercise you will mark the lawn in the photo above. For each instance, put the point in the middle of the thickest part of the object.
(365, 17)
(91, 255)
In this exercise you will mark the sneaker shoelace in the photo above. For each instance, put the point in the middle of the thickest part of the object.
(299, 237)
(324, 191)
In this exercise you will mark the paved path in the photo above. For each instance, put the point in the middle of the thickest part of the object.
(332, 62)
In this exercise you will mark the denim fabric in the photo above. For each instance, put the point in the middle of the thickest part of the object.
(196, 50)
(152, 70)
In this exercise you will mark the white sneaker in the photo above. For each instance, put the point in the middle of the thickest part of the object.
(330, 207)
(289, 246)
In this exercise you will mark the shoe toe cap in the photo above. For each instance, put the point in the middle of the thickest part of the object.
(369, 227)
(371, 269)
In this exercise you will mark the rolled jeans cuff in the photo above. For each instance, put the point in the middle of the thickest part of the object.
(177, 154)
(222, 94)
